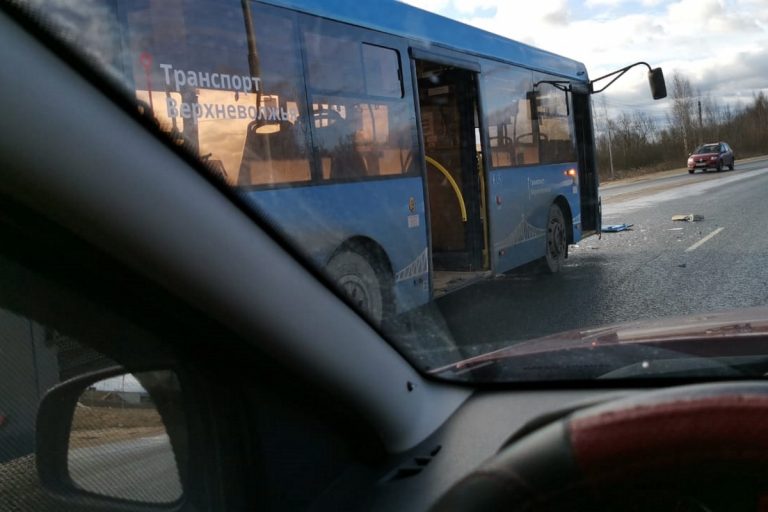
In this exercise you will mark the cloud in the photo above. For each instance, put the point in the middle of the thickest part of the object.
(472, 6)
(432, 5)
(719, 44)
(595, 3)
(745, 73)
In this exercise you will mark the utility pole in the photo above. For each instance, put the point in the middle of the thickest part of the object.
(701, 126)
(610, 142)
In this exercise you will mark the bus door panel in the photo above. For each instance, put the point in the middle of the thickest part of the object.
(448, 103)
(588, 179)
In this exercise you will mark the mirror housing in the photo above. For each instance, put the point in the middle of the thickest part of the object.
(657, 83)
(54, 427)
(580, 88)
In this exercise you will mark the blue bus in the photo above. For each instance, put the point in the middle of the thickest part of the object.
(405, 153)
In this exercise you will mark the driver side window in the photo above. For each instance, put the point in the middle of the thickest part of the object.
(123, 434)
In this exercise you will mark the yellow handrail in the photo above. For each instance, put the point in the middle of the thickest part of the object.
(453, 183)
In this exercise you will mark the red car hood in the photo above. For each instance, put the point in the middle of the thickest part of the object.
(732, 333)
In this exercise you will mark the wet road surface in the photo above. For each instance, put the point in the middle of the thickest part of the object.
(142, 469)
(659, 268)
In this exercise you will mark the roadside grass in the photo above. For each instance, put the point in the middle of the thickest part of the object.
(92, 426)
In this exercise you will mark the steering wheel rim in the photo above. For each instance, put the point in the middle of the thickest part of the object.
(678, 439)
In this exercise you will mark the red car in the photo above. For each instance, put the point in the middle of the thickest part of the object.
(711, 156)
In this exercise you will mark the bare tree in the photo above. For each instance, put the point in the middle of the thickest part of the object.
(609, 140)
(683, 110)
(646, 127)
(637, 140)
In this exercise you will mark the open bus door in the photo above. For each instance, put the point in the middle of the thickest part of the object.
(458, 231)
(588, 180)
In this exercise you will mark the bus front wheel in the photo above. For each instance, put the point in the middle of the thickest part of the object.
(357, 278)
(557, 243)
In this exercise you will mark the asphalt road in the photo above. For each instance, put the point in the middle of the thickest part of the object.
(659, 268)
(142, 469)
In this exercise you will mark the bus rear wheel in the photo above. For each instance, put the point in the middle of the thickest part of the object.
(357, 278)
(557, 243)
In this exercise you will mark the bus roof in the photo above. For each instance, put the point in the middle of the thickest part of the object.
(432, 29)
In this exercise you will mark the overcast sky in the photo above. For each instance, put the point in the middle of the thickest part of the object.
(120, 383)
(720, 45)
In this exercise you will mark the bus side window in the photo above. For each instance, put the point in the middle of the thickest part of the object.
(243, 116)
(508, 118)
(556, 140)
(276, 146)
(361, 125)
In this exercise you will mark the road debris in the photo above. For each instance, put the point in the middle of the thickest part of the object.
(690, 217)
(615, 228)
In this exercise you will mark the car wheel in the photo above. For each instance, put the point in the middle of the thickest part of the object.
(357, 278)
(557, 244)
(691, 171)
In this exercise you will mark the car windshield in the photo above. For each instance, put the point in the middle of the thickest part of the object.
(708, 148)
(462, 174)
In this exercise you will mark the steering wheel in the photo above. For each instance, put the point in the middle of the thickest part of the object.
(702, 447)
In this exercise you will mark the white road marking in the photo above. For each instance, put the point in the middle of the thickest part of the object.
(703, 240)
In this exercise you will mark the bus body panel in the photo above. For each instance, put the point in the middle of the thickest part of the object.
(518, 207)
(390, 212)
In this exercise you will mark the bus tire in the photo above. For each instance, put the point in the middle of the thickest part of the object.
(357, 278)
(557, 243)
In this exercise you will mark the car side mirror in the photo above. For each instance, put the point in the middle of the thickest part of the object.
(657, 83)
(111, 438)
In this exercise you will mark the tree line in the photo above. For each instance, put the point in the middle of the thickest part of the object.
(636, 142)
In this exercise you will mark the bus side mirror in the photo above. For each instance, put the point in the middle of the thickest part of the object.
(580, 88)
(658, 86)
